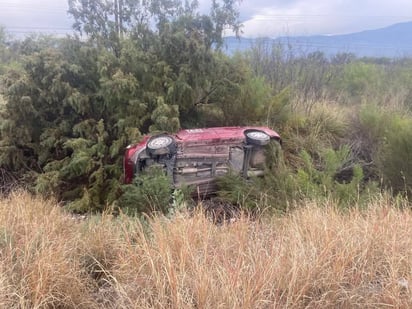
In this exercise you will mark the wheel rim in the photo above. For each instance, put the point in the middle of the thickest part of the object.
(159, 142)
(261, 136)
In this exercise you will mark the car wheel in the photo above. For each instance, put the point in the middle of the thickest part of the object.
(161, 145)
(255, 137)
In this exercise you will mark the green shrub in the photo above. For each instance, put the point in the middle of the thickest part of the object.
(394, 157)
(150, 192)
(384, 139)
(259, 193)
(333, 175)
(338, 178)
(361, 79)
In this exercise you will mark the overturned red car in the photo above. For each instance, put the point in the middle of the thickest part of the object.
(196, 157)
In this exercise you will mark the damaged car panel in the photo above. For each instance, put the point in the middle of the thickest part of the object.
(195, 157)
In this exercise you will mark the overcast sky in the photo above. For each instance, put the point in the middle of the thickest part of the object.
(269, 18)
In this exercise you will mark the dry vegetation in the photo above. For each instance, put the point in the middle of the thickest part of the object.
(316, 256)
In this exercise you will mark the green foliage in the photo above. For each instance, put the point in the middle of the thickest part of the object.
(368, 131)
(334, 177)
(324, 128)
(384, 139)
(76, 104)
(361, 78)
(233, 93)
(165, 117)
(268, 193)
(278, 111)
(4, 51)
(394, 156)
(325, 181)
(107, 21)
(236, 190)
(56, 126)
(150, 192)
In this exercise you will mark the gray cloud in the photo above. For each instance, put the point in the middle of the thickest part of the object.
(260, 17)
(22, 17)
(308, 17)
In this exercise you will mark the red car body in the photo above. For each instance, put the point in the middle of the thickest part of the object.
(197, 156)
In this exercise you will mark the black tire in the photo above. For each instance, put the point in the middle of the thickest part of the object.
(161, 145)
(256, 137)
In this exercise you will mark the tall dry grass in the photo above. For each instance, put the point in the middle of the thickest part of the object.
(316, 257)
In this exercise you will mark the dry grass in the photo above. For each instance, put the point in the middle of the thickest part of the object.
(315, 257)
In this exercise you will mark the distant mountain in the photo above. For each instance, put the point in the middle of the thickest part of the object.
(394, 41)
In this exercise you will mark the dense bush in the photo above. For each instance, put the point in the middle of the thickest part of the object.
(150, 192)
(332, 176)
(381, 139)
